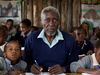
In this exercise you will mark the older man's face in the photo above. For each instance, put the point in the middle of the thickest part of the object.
(50, 23)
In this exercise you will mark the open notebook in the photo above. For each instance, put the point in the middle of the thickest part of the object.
(43, 73)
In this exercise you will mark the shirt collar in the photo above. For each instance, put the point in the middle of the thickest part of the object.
(95, 62)
(8, 61)
(58, 37)
(2, 47)
(41, 35)
(8, 64)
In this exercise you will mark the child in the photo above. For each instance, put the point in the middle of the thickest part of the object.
(11, 61)
(11, 29)
(86, 47)
(3, 35)
(88, 64)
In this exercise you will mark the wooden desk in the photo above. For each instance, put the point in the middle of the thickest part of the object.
(73, 74)
(59, 74)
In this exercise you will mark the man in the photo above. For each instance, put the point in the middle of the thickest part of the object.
(88, 64)
(50, 49)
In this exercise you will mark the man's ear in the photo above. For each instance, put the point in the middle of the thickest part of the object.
(4, 54)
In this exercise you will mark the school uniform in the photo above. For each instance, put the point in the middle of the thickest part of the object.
(6, 65)
(88, 62)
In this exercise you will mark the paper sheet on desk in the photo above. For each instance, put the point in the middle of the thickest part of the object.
(85, 74)
(44, 73)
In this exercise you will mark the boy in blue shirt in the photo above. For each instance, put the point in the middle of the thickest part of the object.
(89, 64)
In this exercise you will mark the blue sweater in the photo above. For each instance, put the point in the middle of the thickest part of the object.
(85, 47)
(63, 53)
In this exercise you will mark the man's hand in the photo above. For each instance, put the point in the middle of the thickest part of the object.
(36, 69)
(56, 69)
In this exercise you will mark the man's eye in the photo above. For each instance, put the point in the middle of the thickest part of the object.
(47, 19)
(55, 19)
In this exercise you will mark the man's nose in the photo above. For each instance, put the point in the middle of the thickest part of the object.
(51, 22)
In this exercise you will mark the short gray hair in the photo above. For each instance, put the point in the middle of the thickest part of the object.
(50, 9)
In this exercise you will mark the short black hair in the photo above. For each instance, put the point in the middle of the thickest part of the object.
(80, 30)
(26, 22)
(97, 44)
(10, 20)
(86, 23)
(12, 41)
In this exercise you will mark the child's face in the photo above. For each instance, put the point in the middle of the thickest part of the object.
(13, 51)
(9, 24)
(80, 36)
(97, 52)
(24, 28)
(85, 26)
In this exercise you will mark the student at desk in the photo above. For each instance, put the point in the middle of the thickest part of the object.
(88, 64)
(11, 61)
(51, 49)
(97, 72)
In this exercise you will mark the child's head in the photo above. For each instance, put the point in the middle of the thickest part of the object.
(25, 26)
(97, 50)
(3, 34)
(79, 34)
(12, 50)
(9, 23)
(85, 26)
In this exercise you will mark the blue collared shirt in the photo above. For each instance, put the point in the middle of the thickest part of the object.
(8, 66)
(58, 37)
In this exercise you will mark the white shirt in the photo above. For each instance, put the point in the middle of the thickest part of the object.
(95, 62)
(2, 47)
(58, 37)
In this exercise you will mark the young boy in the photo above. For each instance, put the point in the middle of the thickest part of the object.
(86, 47)
(10, 28)
(88, 64)
(11, 61)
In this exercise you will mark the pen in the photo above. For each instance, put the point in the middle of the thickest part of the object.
(36, 63)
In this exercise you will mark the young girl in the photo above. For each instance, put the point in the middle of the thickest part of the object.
(11, 61)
